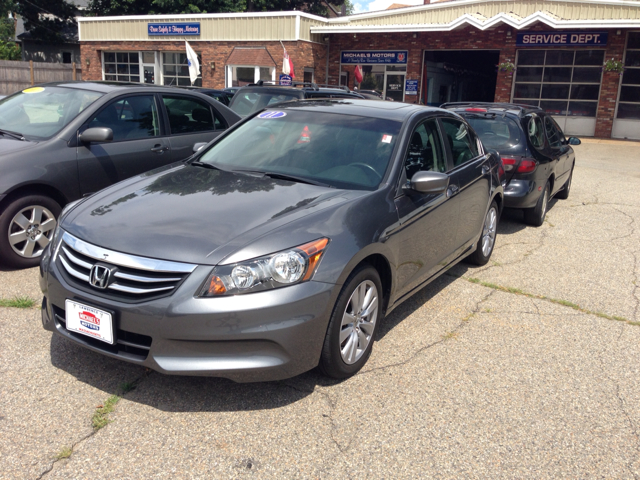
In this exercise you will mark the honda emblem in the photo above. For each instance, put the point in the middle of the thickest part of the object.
(99, 276)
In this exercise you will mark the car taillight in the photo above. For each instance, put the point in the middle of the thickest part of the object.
(475, 109)
(527, 165)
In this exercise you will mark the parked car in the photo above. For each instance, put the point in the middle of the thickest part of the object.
(537, 157)
(253, 98)
(62, 141)
(220, 95)
(279, 247)
(231, 90)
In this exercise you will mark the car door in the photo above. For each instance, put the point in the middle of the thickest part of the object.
(425, 240)
(191, 120)
(470, 179)
(138, 145)
(560, 152)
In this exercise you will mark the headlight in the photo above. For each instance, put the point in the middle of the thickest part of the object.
(280, 269)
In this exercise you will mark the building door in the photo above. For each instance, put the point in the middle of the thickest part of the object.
(627, 121)
(394, 86)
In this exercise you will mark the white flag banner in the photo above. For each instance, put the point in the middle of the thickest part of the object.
(194, 65)
(286, 68)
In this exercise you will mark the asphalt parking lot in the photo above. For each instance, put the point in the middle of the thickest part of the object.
(524, 368)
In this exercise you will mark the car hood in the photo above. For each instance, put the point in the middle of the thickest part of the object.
(192, 214)
(10, 145)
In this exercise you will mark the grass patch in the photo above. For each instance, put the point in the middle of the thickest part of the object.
(564, 303)
(100, 417)
(65, 452)
(18, 302)
(126, 387)
(450, 335)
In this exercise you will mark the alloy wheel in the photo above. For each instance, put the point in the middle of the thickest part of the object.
(489, 231)
(358, 322)
(31, 230)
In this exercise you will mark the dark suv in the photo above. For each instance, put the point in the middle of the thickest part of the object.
(255, 97)
(63, 141)
(537, 158)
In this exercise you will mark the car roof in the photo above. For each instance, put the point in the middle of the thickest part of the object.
(366, 108)
(111, 87)
(493, 107)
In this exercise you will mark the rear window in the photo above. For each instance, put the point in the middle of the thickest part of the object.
(246, 103)
(498, 133)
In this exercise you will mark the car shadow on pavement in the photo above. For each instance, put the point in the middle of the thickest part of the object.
(209, 394)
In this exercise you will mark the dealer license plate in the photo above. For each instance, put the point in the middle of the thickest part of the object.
(89, 321)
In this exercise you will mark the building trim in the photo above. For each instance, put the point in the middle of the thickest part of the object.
(201, 16)
(470, 20)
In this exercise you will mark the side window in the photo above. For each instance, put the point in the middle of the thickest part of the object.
(536, 135)
(130, 118)
(553, 133)
(463, 146)
(425, 152)
(189, 115)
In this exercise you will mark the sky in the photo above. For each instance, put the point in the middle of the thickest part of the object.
(374, 5)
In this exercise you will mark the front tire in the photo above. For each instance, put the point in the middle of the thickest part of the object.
(535, 216)
(484, 247)
(564, 193)
(26, 228)
(353, 324)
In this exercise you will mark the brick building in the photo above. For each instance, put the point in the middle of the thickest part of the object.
(433, 53)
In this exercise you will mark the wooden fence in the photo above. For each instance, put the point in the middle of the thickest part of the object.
(16, 76)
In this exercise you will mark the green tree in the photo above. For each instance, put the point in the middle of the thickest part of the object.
(8, 49)
(48, 21)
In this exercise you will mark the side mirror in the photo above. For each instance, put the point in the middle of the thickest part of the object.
(429, 182)
(574, 141)
(96, 135)
(199, 146)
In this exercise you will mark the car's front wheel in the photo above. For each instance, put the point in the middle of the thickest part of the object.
(26, 228)
(353, 324)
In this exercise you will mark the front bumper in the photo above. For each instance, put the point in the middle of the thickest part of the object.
(262, 336)
(521, 194)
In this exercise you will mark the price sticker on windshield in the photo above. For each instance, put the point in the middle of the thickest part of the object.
(33, 90)
(272, 115)
(387, 138)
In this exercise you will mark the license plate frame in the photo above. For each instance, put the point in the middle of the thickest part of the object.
(90, 321)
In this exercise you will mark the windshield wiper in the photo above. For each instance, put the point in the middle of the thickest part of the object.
(286, 176)
(205, 165)
(16, 135)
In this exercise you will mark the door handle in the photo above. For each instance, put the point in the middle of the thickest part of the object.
(159, 149)
(452, 190)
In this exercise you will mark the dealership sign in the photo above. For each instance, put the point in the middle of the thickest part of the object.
(371, 57)
(561, 39)
(173, 29)
(411, 87)
(286, 80)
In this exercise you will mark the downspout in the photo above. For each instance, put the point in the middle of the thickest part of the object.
(326, 72)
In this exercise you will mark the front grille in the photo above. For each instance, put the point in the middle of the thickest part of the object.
(128, 344)
(130, 278)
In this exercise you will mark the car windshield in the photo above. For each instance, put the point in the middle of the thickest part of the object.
(342, 151)
(496, 132)
(40, 112)
(246, 103)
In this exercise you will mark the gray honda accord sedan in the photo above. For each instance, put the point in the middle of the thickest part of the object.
(278, 247)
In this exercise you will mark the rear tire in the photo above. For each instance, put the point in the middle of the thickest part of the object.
(353, 324)
(564, 193)
(535, 216)
(484, 247)
(26, 228)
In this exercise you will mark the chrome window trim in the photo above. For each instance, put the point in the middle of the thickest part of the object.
(125, 260)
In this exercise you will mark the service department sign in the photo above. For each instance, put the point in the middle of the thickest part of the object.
(561, 39)
(372, 57)
(173, 29)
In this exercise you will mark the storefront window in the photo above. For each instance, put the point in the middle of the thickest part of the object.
(240, 76)
(562, 82)
(175, 69)
(122, 66)
(629, 105)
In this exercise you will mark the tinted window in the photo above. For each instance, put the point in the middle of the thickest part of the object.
(496, 132)
(463, 148)
(188, 115)
(246, 103)
(553, 133)
(41, 112)
(344, 151)
(130, 118)
(425, 152)
(535, 132)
